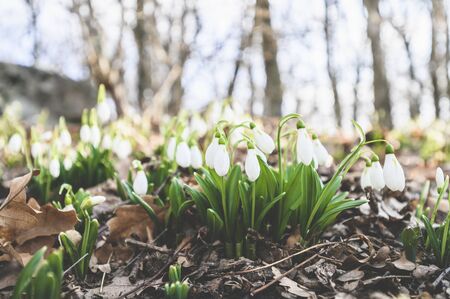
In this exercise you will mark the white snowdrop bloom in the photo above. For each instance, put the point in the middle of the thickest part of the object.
(263, 141)
(98, 199)
(106, 141)
(376, 174)
(171, 148)
(211, 152)
(140, 183)
(185, 133)
(15, 143)
(85, 133)
(305, 149)
(67, 163)
(65, 139)
(365, 177)
(183, 155)
(221, 160)
(123, 149)
(36, 149)
(96, 136)
(112, 108)
(315, 164)
(196, 157)
(394, 176)
(198, 125)
(47, 136)
(261, 154)
(440, 179)
(236, 135)
(54, 168)
(320, 152)
(251, 165)
(103, 112)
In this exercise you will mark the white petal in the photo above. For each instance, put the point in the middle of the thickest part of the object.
(95, 136)
(85, 133)
(140, 183)
(393, 173)
(67, 163)
(211, 152)
(263, 141)
(376, 176)
(440, 180)
(196, 157)
(98, 199)
(103, 112)
(183, 155)
(65, 138)
(106, 142)
(261, 154)
(36, 149)
(304, 147)
(365, 178)
(171, 147)
(320, 152)
(54, 168)
(221, 160)
(15, 143)
(252, 168)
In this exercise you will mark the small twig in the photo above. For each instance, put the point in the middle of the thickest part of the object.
(147, 245)
(371, 280)
(104, 274)
(74, 264)
(440, 277)
(260, 289)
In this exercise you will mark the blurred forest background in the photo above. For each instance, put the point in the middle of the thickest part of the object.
(378, 61)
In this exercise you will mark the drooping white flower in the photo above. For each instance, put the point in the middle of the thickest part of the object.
(183, 155)
(196, 157)
(198, 125)
(112, 108)
(171, 148)
(305, 150)
(36, 149)
(98, 199)
(67, 163)
(103, 112)
(85, 133)
(106, 141)
(263, 140)
(211, 152)
(440, 178)
(365, 177)
(96, 136)
(15, 143)
(251, 165)
(140, 183)
(54, 168)
(122, 148)
(320, 152)
(376, 174)
(65, 139)
(394, 176)
(221, 160)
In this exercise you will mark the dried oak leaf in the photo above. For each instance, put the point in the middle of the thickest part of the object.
(404, 264)
(24, 227)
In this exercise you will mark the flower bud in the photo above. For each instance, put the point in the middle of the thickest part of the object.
(251, 165)
(440, 179)
(15, 143)
(211, 152)
(376, 174)
(140, 183)
(54, 168)
(183, 155)
(221, 160)
(196, 157)
(304, 147)
(171, 148)
(394, 176)
(263, 141)
(85, 133)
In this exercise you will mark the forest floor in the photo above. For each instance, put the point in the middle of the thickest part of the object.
(360, 256)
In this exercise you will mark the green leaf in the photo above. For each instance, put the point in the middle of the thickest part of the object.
(266, 209)
(214, 222)
(232, 193)
(27, 272)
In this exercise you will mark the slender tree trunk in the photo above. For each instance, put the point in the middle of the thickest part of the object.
(381, 89)
(327, 27)
(356, 101)
(273, 97)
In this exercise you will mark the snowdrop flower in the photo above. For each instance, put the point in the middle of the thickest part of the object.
(183, 155)
(394, 176)
(198, 125)
(15, 143)
(85, 133)
(103, 112)
(185, 133)
(305, 150)
(221, 159)
(54, 168)
(320, 152)
(251, 165)
(211, 151)
(67, 163)
(196, 157)
(64, 138)
(376, 174)
(36, 149)
(140, 183)
(112, 108)
(263, 141)
(365, 176)
(171, 148)
(122, 148)
(440, 179)
(106, 141)
(95, 136)
(98, 199)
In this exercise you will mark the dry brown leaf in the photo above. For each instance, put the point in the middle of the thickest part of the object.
(404, 264)
(25, 227)
(292, 286)
(351, 275)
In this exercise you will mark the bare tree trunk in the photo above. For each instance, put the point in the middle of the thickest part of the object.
(355, 91)
(437, 65)
(34, 11)
(273, 97)
(330, 69)
(380, 82)
(144, 60)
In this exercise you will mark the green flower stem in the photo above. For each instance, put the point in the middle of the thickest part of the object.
(441, 195)
(225, 211)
